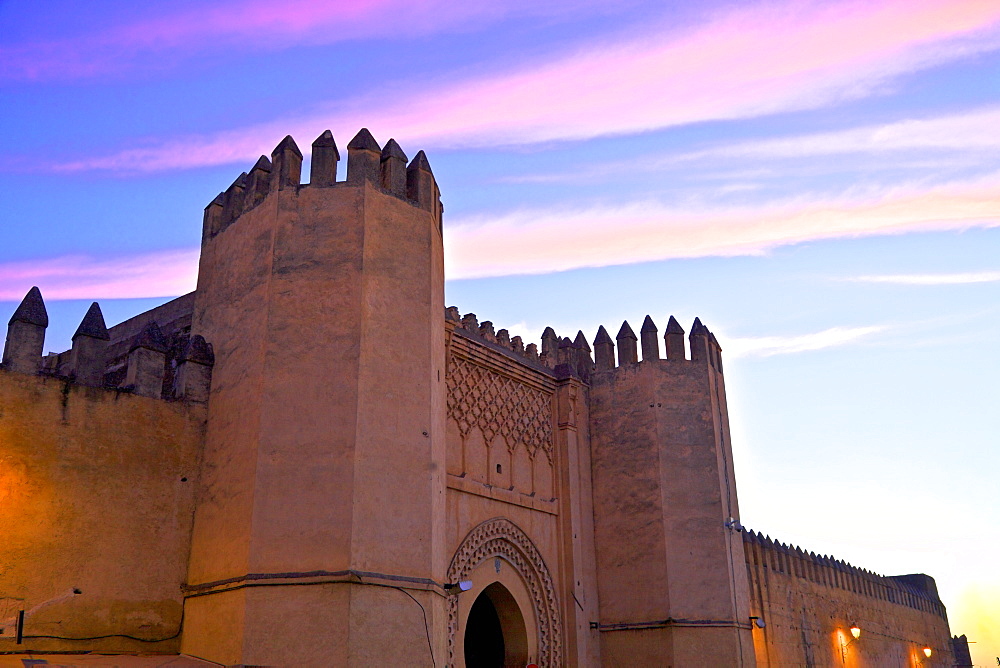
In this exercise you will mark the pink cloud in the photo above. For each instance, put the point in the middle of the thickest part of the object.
(542, 241)
(157, 274)
(254, 25)
(739, 64)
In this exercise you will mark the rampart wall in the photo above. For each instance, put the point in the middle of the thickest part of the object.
(808, 604)
(96, 501)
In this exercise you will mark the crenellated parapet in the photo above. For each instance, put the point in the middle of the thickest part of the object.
(575, 357)
(704, 346)
(916, 591)
(385, 168)
(470, 327)
(147, 362)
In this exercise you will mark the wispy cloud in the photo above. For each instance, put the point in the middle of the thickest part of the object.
(158, 274)
(557, 239)
(955, 140)
(766, 346)
(251, 26)
(738, 64)
(542, 241)
(960, 278)
(970, 131)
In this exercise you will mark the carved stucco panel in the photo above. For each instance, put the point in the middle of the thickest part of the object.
(499, 405)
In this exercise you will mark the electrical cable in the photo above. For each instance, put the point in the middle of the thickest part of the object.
(180, 627)
(423, 611)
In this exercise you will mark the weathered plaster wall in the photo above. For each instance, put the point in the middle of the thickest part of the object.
(808, 604)
(96, 493)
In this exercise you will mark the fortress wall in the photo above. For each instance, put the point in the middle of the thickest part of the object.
(808, 604)
(97, 494)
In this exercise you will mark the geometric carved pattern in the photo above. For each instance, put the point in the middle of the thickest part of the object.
(499, 537)
(478, 397)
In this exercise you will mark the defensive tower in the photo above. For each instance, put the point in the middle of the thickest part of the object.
(663, 479)
(324, 304)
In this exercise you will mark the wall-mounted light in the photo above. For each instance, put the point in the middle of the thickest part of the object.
(855, 634)
(456, 588)
(928, 651)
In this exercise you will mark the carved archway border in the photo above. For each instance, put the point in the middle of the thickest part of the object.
(499, 537)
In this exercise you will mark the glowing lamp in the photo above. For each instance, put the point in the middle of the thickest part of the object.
(928, 651)
(855, 631)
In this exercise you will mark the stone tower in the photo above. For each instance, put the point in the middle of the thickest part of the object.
(321, 514)
(671, 575)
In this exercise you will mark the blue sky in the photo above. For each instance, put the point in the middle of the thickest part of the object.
(819, 182)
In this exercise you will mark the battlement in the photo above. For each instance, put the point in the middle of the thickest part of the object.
(916, 591)
(152, 354)
(704, 346)
(559, 357)
(563, 356)
(384, 168)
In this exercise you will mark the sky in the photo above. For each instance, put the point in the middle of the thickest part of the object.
(818, 181)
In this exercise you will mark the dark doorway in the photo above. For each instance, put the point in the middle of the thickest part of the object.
(484, 636)
(495, 635)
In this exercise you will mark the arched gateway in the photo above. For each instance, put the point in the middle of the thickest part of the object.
(512, 614)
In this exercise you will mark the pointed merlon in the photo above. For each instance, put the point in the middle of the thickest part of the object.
(393, 169)
(363, 159)
(420, 162)
(197, 350)
(628, 352)
(31, 310)
(650, 342)
(581, 341)
(604, 350)
(326, 141)
(626, 332)
(93, 325)
(287, 164)
(392, 150)
(150, 337)
(674, 340)
(325, 155)
(258, 183)
(700, 343)
(363, 141)
(420, 187)
(549, 333)
(262, 164)
(287, 145)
